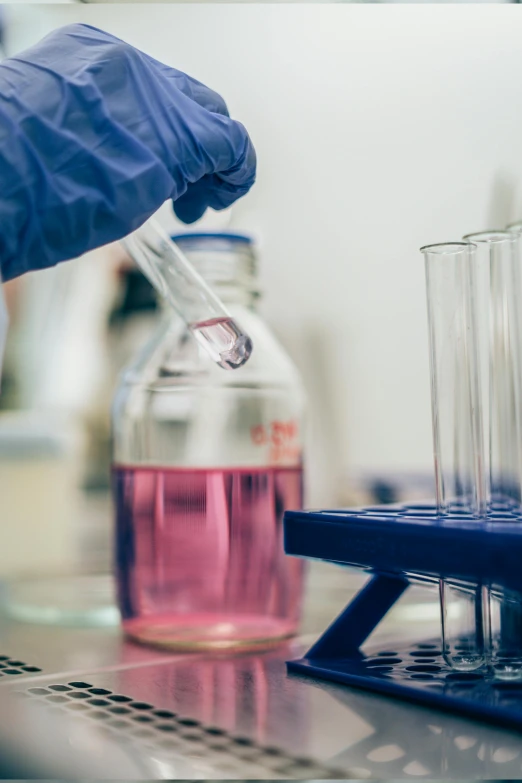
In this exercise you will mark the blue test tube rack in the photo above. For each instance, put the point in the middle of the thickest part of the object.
(399, 545)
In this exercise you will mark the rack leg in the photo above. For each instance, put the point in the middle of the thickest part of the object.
(350, 630)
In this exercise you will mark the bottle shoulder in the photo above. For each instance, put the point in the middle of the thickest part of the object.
(172, 359)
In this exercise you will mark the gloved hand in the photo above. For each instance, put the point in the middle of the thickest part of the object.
(95, 136)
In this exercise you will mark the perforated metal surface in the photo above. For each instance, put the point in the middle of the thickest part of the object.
(243, 719)
(11, 667)
(164, 731)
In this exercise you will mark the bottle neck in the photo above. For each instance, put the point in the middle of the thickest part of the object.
(230, 295)
(230, 269)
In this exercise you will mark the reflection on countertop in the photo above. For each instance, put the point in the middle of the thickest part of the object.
(217, 717)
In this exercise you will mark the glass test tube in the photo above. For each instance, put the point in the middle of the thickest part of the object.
(455, 389)
(174, 277)
(499, 346)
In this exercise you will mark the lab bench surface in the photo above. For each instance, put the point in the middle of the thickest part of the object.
(238, 717)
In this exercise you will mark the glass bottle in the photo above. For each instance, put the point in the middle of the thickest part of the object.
(205, 461)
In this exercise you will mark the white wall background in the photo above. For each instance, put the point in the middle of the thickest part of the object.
(378, 129)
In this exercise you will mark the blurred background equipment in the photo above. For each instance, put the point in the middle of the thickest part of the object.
(55, 442)
(39, 488)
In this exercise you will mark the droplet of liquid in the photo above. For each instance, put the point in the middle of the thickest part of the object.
(228, 345)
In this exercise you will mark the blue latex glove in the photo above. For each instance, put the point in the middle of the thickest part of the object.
(95, 136)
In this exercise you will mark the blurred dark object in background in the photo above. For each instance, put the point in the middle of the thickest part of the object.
(384, 492)
(137, 296)
(131, 322)
(362, 489)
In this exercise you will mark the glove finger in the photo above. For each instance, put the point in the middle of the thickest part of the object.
(210, 191)
(224, 148)
(228, 168)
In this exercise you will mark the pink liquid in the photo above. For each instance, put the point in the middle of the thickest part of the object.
(228, 345)
(200, 560)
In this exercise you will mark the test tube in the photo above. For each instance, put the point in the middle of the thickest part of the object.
(457, 435)
(460, 487)
(174, 277)
(499, 345)
(506, 606)
(499, 341)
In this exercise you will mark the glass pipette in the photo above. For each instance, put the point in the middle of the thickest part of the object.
(174, 277)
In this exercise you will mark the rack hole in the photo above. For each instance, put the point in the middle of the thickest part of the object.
(100, 691)
(118, 698)
(463, 677)
(383, 661)
(140, 705)
(425, 653)
(423, 668)
(164, 714)
(508, 656)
